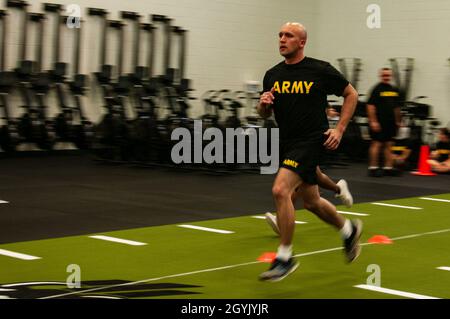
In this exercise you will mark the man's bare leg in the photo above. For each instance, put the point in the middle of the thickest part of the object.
(283, 189)
(439, 167)
(320, 206)
(388, 157)
(341, 190)
(350, 231)
(374, 153)
(324, 181)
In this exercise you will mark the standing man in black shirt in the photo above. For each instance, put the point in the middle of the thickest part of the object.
(383, 112)
(296, 91)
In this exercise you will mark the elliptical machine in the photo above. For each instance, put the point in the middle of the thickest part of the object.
(33, 126)
(144, 134)
(70, 125)
(9, 137)
(111, 133)
(84, 130)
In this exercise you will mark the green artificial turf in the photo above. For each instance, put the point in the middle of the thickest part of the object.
(188, 263)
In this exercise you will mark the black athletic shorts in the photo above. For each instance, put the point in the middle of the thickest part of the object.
(386, 134)
(302, 157)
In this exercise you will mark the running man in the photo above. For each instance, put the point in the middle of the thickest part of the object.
(296, 91)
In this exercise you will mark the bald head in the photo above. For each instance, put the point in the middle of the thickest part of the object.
(298, 28)
(292, 41)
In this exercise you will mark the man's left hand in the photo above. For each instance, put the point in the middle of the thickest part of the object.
(333, 140)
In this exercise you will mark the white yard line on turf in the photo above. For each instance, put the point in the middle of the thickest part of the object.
(444, 268)
(263, 217)
(397, 206)
(14, 254)
(35, 283)
(394, 292)
(352, 213)
(422, 234)
(436, 199)
(213, 230)
(118, 240)
(3, 202)
(101, 297)
(227, 267)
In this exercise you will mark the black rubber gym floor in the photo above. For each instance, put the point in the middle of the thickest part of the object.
(55, 196)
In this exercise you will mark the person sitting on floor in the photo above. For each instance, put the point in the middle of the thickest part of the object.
(440, 157)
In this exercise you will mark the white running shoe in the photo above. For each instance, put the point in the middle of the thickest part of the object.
(272, 221)
(345, 196)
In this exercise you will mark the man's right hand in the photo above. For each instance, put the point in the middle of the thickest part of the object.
(267, 98)
(375, 126)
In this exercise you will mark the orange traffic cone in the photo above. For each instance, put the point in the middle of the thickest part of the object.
(380, 239)
(267, 257)
(424, 168)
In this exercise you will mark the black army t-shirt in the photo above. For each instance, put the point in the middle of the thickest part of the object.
(385, 98)
(301, 91)
(443, 149)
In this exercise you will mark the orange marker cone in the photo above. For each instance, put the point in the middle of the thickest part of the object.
(424, 168)
(267, 257)
(380, 239)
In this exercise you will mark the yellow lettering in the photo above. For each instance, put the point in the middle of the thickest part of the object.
(297, 87)
(398, 148)
(285, 88)
(276, 87)
(289, 162)
(388, 93)
(308, 86)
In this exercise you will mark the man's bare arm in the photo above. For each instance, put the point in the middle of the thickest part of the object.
(348, 108)
(372, 118)
(264, 107)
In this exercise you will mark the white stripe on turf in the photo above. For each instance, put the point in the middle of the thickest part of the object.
(352, 213)
(213, 230)
(264, 217)
(222, 268)
(436, 199)
(444, 268)
(35, 283)
(101, 297)
(422, 234)
(394, 292)
(3, 202)
(17, 255)
(398, 206)
(118, 240)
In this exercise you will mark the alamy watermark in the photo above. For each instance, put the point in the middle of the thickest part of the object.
(73, 12)
(374, 19)
(237, 145)
(375, 278)
(74, 279)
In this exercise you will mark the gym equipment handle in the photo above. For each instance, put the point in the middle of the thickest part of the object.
(97, 12)
(52, 7)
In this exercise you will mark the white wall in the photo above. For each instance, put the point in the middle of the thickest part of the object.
(409, 28)
(233, 41)
(229, 41)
